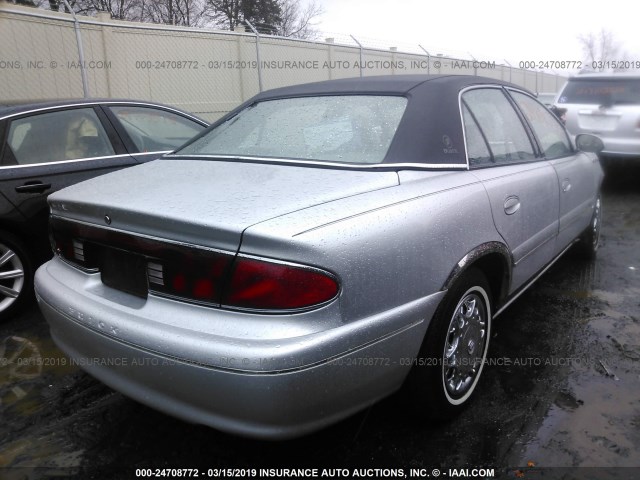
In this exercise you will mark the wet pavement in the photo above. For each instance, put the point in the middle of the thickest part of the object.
(561, 389)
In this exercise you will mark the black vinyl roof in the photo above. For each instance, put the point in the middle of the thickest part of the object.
(430, 131)
(385, 84)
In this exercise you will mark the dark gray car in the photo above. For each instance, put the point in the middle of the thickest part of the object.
(49, 146)
(317, 247)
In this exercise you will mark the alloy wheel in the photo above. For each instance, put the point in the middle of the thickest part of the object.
(11, 277)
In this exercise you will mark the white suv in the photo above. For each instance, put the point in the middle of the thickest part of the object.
(605, 105)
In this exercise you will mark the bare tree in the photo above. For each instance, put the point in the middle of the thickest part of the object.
(289, 18)
(599, 49)
(264, 14)
(188, 13)
(298, 21)
(118, 9)
(28, 3)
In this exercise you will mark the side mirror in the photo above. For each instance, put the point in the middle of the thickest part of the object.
(589, 143)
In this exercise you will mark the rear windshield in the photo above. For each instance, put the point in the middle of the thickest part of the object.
(345, 129)
(606, 91)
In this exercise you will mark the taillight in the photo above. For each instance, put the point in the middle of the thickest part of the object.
(67, 243)
(192, 274)
(264, 285)
(137, 264)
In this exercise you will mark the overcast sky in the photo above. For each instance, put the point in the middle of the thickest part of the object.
(491, 29)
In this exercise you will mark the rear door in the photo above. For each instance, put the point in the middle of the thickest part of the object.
(577, 179)
(522, 187)
(45, 151)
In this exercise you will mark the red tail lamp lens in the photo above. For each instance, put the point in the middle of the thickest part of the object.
(262, 285)
(193, 275)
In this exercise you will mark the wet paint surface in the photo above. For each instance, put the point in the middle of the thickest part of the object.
(562, 388)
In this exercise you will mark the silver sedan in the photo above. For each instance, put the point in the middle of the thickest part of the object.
(317, 248)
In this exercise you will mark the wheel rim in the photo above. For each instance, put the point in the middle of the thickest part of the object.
(466, 345)
(595, 224)
(11, 277)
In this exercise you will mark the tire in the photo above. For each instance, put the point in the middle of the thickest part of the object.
(587, 247)
(16, 276)
(439, 388)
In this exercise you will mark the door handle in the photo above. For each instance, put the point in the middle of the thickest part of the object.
(33, 187)
(566, 185)
(511, 204)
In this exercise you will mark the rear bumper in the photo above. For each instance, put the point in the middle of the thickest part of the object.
(252, 392)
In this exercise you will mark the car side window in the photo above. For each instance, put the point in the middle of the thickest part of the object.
(500, 124)
(550, 134)
(58, 136)
(154, 129)
(477, 149)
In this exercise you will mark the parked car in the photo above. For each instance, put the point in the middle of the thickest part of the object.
(48, 146)
(606, 105)
(546, 98)
(318, 246)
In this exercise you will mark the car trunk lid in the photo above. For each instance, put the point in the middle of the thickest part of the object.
(206, 202)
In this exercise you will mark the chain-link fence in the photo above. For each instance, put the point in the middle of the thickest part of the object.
(50, 55)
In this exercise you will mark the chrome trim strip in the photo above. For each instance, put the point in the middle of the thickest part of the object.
(375, 166)
(464, 133)
(76, 265)
(59, 162)
(460, 93)
(153, 153)
(107, 102)
(478, 253)
(155, 273)
(142, 235)
(532, 281)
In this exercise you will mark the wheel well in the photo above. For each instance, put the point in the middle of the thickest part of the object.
(495, 268)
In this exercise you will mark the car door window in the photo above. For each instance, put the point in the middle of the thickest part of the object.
(500, 124)
(154, 129)
(58, 136)
(551, 136)
(477, 149)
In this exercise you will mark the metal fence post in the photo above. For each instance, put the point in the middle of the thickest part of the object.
(83, 71)
(428, 59)
(510, 68)
(361, 57)
(257, 53)
(475, 64)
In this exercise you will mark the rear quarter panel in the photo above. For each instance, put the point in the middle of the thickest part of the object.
(388, 247)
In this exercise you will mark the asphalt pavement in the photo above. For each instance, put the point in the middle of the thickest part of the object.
(561, 389)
